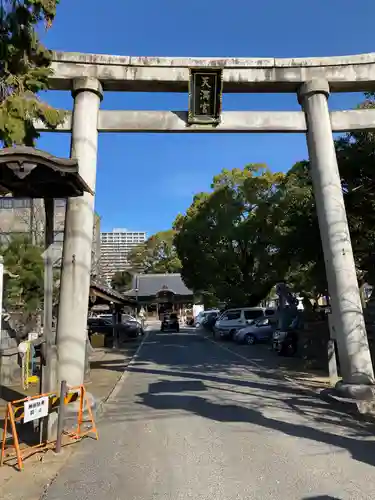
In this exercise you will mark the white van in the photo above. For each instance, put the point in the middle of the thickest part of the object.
(233, 319)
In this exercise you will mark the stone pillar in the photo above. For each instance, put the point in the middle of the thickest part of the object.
(76, 265)
(347, 314)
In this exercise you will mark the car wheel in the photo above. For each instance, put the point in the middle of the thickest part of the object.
(250, 340)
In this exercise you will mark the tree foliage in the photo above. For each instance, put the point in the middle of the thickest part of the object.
(24, 287)
(300, 252)
(122, 281)
(226, 239)
(24, 70)
(157, 255)
(356, 157)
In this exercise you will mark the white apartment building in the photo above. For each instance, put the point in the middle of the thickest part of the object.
(114, 249)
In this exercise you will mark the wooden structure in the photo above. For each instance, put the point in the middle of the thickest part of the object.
(158, 293)
(103, 298)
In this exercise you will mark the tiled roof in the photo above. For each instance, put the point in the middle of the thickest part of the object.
(108, 291)
(151, 284)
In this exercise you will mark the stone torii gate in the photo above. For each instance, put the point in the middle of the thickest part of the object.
(311, 80)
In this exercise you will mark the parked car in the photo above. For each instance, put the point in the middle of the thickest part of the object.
(105, 327)
(105, 316)
(127, 319)
(202, 316)
(233, 320)
(170, 323)
(260, 331)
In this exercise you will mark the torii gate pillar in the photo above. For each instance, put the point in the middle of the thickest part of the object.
(76, 264)
(347, 314)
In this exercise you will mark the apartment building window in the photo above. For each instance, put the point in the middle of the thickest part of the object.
(7, 202)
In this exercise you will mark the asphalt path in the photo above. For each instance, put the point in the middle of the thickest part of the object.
(197, 419)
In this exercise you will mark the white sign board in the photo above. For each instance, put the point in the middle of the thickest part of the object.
(32, 336)
(35, 409)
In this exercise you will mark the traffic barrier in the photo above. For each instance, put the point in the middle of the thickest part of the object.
(38, 407)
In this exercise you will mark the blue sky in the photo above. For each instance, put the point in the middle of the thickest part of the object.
(144, 180)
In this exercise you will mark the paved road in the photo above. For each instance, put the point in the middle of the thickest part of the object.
(193, 420)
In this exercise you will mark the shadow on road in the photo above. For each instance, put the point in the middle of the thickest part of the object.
(360, 450)
(184, 373)
(297, 399)
(199, 369)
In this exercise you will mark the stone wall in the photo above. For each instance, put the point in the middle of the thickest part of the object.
(10, 368)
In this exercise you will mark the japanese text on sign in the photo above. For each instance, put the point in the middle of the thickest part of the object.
(35, 409)
(205, 96)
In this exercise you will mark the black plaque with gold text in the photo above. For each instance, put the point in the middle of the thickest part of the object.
(205, 95)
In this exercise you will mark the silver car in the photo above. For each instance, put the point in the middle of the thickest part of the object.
(260, 331)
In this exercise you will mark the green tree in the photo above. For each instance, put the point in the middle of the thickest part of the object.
(299, 248)
(121, 281)
(24, 70)
(157, 255)
(24, 288)
(226, 239)
(356, 153)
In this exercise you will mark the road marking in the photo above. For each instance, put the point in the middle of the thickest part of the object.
(250, 361)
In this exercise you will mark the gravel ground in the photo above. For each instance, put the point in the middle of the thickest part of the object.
(194, 420)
